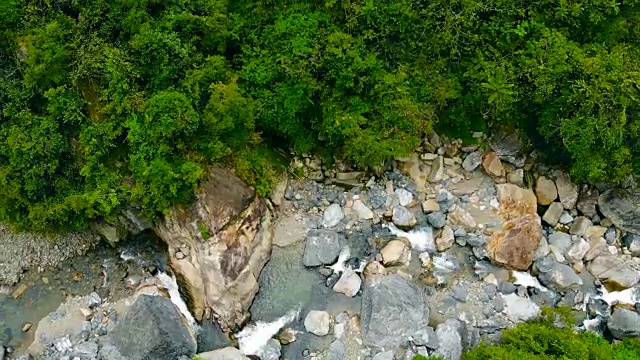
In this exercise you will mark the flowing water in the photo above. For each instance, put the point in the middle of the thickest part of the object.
(102, 270)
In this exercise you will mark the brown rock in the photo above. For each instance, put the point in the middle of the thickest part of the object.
(515, 244)
(546, 190)
(26, 327)
(229, 231)
(19, 291)
(430, 205)
(492, 164)
(396, 252)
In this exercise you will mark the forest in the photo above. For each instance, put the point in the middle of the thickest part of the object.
(111, 103)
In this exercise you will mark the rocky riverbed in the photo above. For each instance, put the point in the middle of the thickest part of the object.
(428, 256)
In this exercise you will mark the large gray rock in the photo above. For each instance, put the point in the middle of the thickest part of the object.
(622, 207)
(153, 329)
(322, 247)
(317, 322)
(450, 337)
(624, 323)
(393, 309)
(620, 271)
(333, 215)
(520, 309)
(560, 277)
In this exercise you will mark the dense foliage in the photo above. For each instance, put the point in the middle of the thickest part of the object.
(112, 102)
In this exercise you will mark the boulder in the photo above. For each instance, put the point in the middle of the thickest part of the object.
(561, 241)
(632, 242)
(228, 353)
(560, 277)
(516, 177)
(619, 271)
(322, 247)
(567, 191)
(348, 284)
(459, 216)
(317, 322)
(396, 252)
(404, 196)
(402, 217)
(393, 309)
(361, 210)
(587, 201)
(520, 309)
(553, 213)
(515, 244)
(508, 147)
(546, 190)
(451, 339)
(472, 161)
(153, 329)
(492, 164)
(577, 252)
(580, 225)
(624, 323)
(437, 170)
(622, 207)
(446, 239)
(229, 231)
(333, 215)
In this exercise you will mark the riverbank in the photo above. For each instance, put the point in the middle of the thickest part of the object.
(435, 253)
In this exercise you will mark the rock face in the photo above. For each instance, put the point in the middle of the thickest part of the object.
(321, 248)
(622, 207)
(514, 245)
(392, 310)
(624, 323)
(229, 231)
(153, 329)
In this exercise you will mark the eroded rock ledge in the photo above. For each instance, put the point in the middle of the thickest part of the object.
(218, 246)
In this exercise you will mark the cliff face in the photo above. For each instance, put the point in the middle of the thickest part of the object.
(218, 246)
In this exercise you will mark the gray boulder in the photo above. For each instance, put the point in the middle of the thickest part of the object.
(622, 207)
(450, 337)
(322, 247)
(393, 309)
(402, 217)
(562, 241)
(472, 161)
(333, 215)
(624, 323)
(153, 329)
(560, 277)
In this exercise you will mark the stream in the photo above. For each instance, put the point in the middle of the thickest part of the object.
(105, 270)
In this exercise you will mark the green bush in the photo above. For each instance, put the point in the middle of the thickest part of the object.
(108, 103)
(543, 339)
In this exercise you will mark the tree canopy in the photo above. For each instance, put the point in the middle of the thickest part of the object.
(106, 103)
